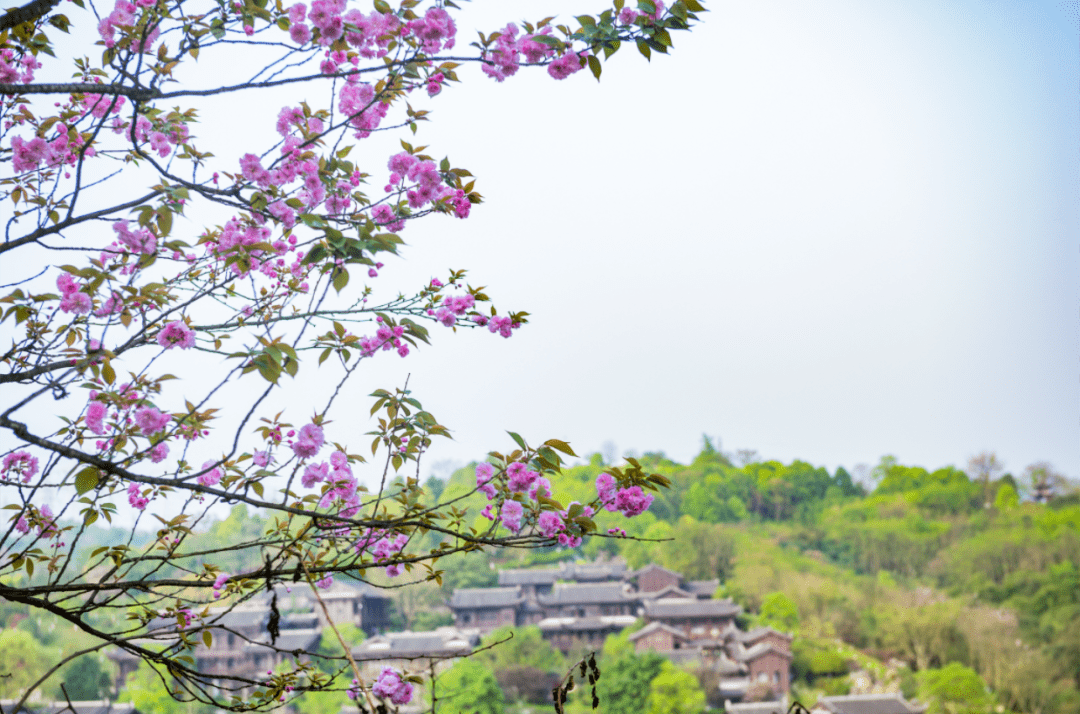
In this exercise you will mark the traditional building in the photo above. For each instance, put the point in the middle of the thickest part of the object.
(696, 618)
(486, 609)
(241, 643)
(601, 589)
(414, 651)
(867, 704)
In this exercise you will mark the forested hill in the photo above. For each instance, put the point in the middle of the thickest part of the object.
(971, 584)
(945, 573)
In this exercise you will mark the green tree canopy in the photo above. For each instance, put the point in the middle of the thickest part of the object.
(469, 686)
(674, 691)
(624, 684)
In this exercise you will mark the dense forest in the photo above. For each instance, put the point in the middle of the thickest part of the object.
(962, 589)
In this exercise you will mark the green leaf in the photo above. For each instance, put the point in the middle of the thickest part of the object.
(86, 479)
(341, 279)
(561, 446)
(643, 48)
(207, 638)
(594, 65)
(382, 6)
(517, 438)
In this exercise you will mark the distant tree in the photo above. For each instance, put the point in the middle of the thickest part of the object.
(624, 684)
(778, 610)
(954, 689)
(524, 646)
(984, 468)
(22, 660)
(1006, 498)
(468, 686)
(747, 456)
(434, 486)
(674, 691)
(700, 551)
(144, 689)
(530, 684)
(85, 679)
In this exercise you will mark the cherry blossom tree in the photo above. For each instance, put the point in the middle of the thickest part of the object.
(145, 363)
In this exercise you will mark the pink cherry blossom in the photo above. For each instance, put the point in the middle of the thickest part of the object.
(176, 334)
(606, 487)
(309, 441)
(390, 685)
(95, 417)
(20, 463)
(159, 452)
(550, 524)
(150, 420)
(632, 501)
(135, 497)
(510, 514)
(211, 477)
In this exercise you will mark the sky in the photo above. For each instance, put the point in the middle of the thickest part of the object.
(826, 231)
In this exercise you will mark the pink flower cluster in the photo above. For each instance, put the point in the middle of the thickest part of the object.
(140, 240)
(628, 16)
(434, 31)
(219, 584)
(382, 545)
(429, 186)
(136, 498)
(390, 685)
(385, 338)
(357, 101)
(151, 421)
(337, 474)
(19, 464)
(46, 522)
(453, 307)
(309, 441)
(162, 135)
(368, 34)
(9, 67)
(630, 502)
(72, 298)
(95, 417)
(566, 65)
(213, 474)
(506, 56)
(123, 15)
(176, 334)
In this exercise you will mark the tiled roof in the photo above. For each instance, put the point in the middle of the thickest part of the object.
(670, 591)
(701, 588)
(758, 632)
(485, 597)
(594, 571)
(756, 708)
(869, 704)
(690, 607)
(582, 624)
(528, 577)
(763, 648)
(583, 594)
(443, 642)
(651, 567)
(653, 627)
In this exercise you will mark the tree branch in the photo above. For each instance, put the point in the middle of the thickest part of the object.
(29, 12)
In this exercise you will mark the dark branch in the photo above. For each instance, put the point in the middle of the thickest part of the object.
(29, 12)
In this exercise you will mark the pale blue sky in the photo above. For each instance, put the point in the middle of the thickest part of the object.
(827, 231)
